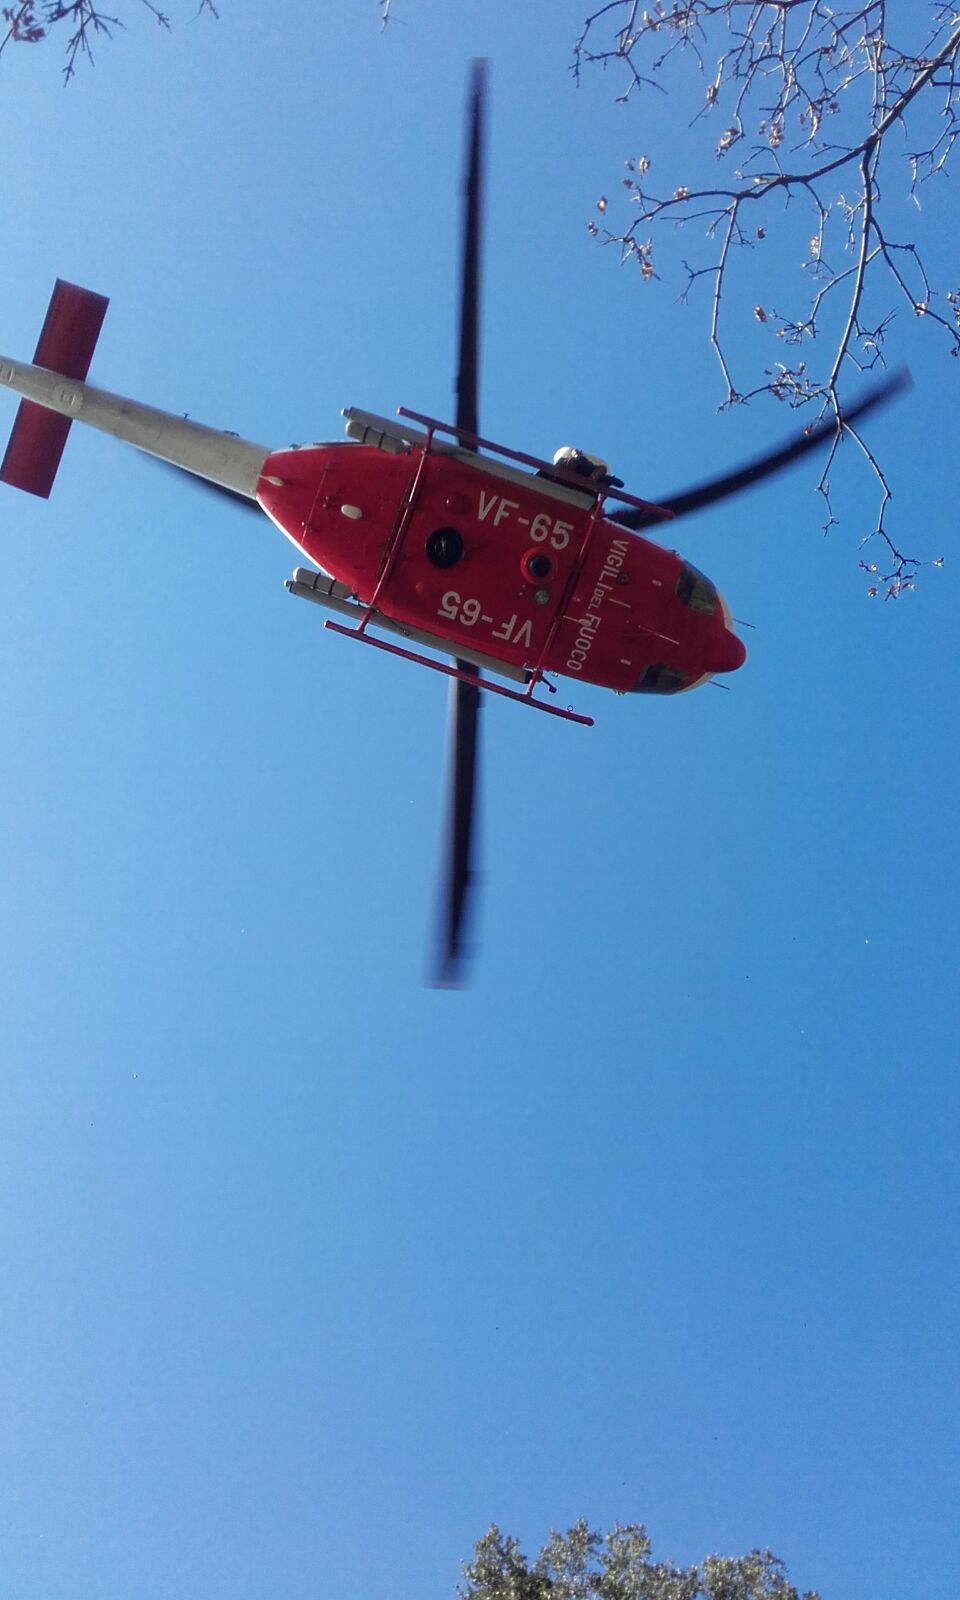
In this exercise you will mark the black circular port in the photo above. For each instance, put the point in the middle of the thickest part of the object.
(444, 547)
(539, 566)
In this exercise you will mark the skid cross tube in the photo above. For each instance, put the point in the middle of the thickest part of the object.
(464, 677)
(395, 541)
(536, 672)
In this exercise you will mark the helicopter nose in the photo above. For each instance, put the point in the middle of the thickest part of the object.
(727, 652)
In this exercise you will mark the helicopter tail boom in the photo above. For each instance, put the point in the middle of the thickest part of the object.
(221, 458)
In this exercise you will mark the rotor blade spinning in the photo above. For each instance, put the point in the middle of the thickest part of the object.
(764, 466)
(464, 698)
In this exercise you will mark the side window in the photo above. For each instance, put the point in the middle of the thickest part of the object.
(659, 679)
(696, 591)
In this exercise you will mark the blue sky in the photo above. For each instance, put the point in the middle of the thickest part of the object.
(310, 1272)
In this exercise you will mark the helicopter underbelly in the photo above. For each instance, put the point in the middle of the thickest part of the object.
(498, 567)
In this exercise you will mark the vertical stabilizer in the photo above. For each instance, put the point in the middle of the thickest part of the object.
(67, 341)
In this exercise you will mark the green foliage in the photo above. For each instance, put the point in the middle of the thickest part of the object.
(582, 1564)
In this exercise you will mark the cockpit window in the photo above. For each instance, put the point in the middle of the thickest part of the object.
(659, 679)
(696, 591)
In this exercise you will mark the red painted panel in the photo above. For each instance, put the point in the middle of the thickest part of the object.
(607, 620)
(66, 344)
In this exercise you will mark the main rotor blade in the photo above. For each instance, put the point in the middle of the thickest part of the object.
(463, 705)
(459, 876)
(729, 483)
(468, 356)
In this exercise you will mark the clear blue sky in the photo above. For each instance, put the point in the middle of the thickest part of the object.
(310, 1272)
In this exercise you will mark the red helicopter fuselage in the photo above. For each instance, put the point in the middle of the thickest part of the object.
(517, 566)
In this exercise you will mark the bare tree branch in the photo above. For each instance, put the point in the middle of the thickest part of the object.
(809, 96)
(30, 21)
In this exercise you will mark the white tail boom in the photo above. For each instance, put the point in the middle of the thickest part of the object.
(219, 457)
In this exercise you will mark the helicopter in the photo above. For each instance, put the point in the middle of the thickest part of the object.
(437, 537)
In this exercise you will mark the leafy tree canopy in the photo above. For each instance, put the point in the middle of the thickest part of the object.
(582, 1564)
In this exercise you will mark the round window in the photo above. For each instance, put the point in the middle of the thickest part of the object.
(444, 547)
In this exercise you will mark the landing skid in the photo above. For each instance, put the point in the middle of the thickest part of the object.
(525, 699)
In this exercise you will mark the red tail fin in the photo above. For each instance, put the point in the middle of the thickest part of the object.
(67, 342)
